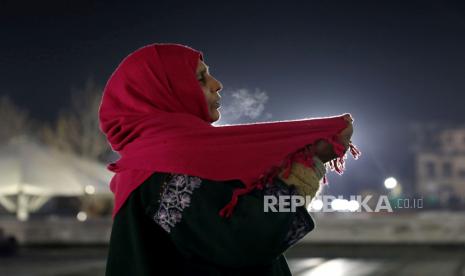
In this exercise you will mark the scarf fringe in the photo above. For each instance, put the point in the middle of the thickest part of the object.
(338, 164)
(303, 156)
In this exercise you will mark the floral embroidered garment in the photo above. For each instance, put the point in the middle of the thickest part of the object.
(177, 196)
(174, 229)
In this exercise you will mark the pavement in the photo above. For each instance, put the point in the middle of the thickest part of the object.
(90, 261)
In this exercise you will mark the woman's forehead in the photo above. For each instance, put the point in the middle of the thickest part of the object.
(202, 66)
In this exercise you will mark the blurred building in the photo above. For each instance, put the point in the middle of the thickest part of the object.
(440, 164)
(37, 177)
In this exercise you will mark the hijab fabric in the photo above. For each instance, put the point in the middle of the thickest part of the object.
(155, 116)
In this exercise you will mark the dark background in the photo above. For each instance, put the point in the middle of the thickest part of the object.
(391, 64)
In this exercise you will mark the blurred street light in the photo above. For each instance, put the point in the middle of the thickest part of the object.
(353, 205)
(81, 216)
(390, 183)
(89, 189)
(317, 205)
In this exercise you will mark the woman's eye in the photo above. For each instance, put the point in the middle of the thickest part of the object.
(201, 79)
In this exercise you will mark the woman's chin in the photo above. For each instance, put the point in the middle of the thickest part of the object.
(215, 115)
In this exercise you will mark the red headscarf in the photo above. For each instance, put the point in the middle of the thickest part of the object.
(155, 115)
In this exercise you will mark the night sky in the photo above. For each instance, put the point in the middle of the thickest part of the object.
(388, 63)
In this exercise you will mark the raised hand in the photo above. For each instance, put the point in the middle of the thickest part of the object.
(325, 151)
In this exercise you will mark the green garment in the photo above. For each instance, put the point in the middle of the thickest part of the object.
(198, 241)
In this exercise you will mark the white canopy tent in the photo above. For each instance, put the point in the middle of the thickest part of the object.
(32, 173)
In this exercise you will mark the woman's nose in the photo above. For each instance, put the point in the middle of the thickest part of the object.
(218, 86)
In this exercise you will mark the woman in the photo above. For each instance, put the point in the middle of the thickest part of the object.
(189, 196)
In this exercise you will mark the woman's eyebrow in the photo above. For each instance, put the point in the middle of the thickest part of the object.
(204, 69)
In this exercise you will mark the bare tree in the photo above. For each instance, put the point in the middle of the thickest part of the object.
(14, 120)
(77, 128)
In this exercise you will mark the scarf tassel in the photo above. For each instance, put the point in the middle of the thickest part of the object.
(338, 164)
(226, 212)
(303, 156)
(114, 167)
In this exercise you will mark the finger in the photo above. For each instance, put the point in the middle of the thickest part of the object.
(324, 151)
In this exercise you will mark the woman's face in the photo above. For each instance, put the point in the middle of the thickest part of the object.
(210, 87)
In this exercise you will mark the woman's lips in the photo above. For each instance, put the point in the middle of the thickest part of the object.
(217, 105)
